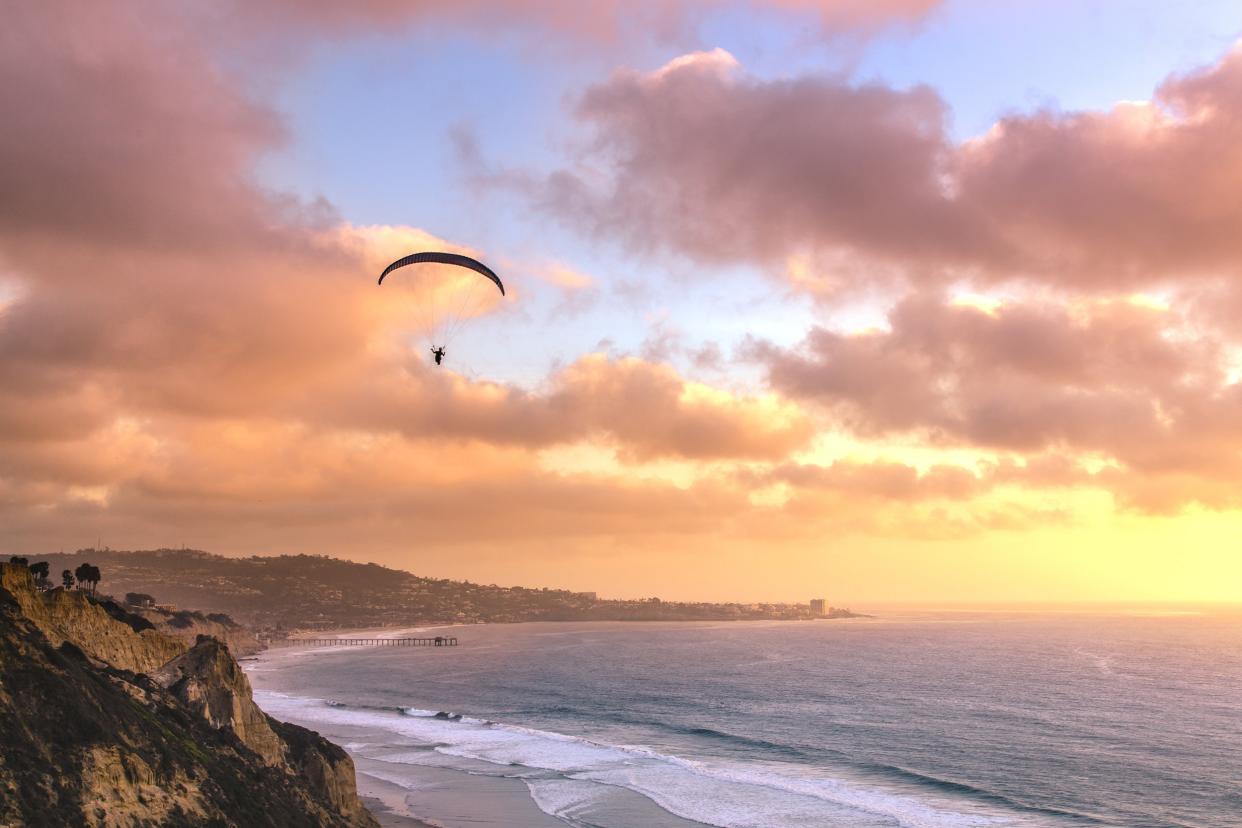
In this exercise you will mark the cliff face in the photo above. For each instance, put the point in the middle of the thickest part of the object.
(327, 767)
(209, 682)
(88, 743)
(188, 626)
(67, 615)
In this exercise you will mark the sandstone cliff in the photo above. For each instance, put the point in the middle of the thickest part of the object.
(88, 743)
(186, 626)
(123, 641)
(209, 682)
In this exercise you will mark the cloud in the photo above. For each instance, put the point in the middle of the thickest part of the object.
(606, 21)
(186, 355)
(565, 277)
(1143, 191)
(885, 480)
(1116, 380)
(710, 162)
(703, 159)
(644, 410)
(122, 130)
(180, 347)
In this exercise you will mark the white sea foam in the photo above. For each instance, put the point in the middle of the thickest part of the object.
(746, 795)
(571, 800)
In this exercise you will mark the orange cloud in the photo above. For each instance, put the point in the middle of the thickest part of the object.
(1114, 380)
(643, 409)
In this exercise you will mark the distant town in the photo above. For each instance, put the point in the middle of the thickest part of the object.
(279, 595)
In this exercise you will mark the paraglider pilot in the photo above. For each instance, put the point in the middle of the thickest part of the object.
(437, 257)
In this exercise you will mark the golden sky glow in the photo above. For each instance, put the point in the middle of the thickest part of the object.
(767, 334)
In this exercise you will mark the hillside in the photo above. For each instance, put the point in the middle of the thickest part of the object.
(302, 591)
(90, 742)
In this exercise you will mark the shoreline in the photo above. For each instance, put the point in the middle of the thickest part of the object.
(385, 800)
(501, 764)
(380, 803)
(387, 818)
(458, 797)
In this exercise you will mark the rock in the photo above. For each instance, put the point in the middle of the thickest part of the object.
(72, 615)
(188, 625)
(86, 743)
(326, 767)
(210, 682)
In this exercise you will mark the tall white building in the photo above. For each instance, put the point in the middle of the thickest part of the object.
(819, 606)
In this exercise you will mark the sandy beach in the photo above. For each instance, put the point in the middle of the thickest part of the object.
(466, 794)
(457, 799)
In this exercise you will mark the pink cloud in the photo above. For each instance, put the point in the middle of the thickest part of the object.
(701, 158)
(713, 163)
(1143, 191)
(122, 130)
(597, 22)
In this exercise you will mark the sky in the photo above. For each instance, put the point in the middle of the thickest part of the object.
(896, 301)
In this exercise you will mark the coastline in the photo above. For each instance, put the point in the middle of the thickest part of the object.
(382, 809)
(457, 797)
(498, 802)
(385, 800)
(535, 733)
(468, 792)
(415, 767)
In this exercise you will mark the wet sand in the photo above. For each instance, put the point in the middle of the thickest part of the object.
(455, 799)
(388, 819)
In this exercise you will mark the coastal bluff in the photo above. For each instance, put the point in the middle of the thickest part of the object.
(107, 722)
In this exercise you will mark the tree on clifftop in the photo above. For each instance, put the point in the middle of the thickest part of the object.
(66, 578)
(88, 574)
(39, 572)
(19, 560)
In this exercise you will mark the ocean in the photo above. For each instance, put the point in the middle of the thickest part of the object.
(944, 720)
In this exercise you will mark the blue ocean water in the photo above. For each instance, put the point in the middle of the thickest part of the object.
(919, 721)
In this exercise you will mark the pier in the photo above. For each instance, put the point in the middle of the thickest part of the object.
(438, 641)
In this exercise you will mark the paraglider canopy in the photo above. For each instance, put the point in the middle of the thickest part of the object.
(444, 258)
(440, 303)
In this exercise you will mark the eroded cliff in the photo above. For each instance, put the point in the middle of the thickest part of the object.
(85, 742)
(209, 682)
(187, 625)
(123, 641)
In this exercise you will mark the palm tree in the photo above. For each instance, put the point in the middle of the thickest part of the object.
(88, 574)
(39, 572)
